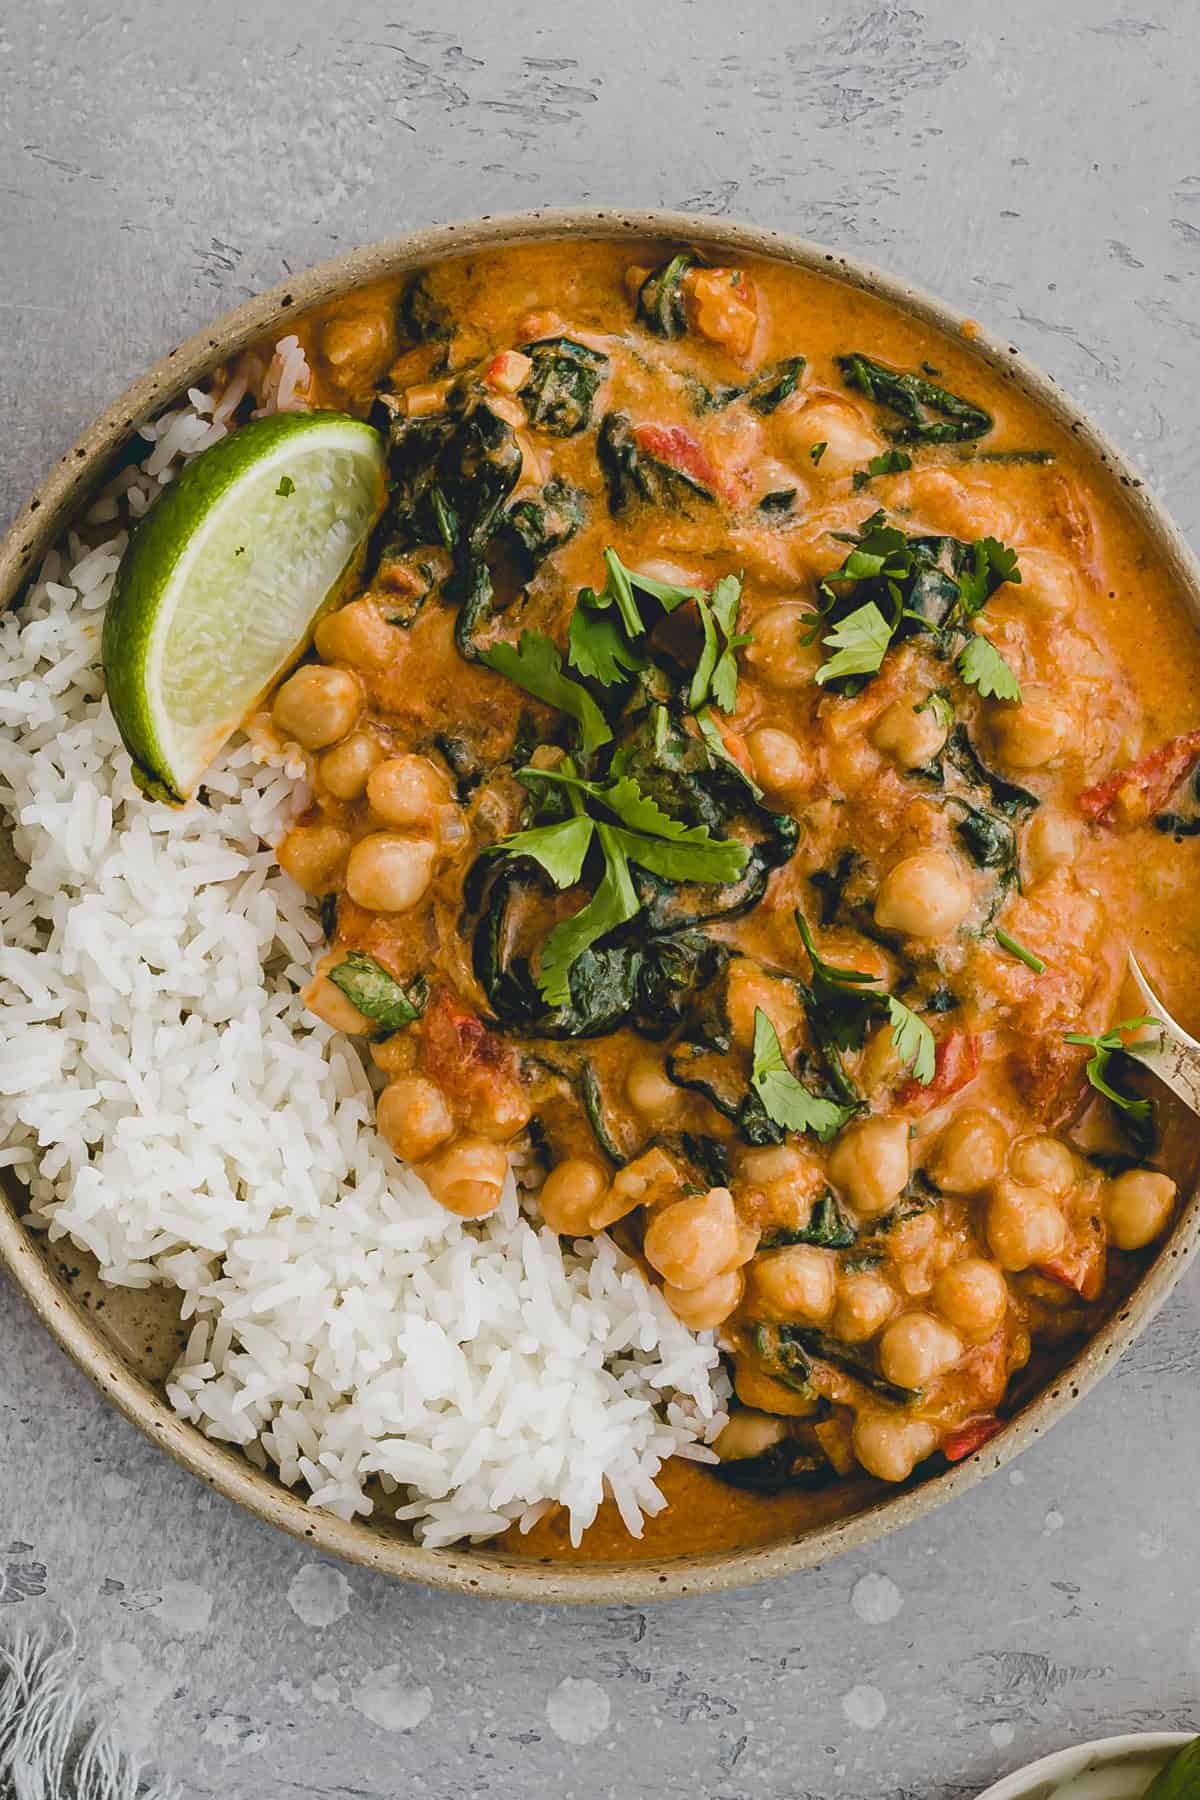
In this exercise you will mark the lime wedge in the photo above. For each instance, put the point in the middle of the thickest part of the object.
(223, 580)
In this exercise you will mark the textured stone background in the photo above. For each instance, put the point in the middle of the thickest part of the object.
(1037, 164)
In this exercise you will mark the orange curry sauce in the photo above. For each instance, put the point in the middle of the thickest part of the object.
(876, 1282)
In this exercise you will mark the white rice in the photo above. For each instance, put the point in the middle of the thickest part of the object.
(176, 1112)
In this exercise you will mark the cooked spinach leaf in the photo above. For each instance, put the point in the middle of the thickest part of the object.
(593, 1104)
(784, 1465)
(378, 995)
(535, 529)
(827, 1227)
(915, 398)
(419, 317)
(329, 915)
(780, 501)
(773, 387)
(820, 1347)
(660, 303)
(562, 385)
(632, 474)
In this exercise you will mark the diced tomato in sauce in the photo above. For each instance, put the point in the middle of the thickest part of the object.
(1132, 795)
(458, 1050)
(678, 449)
(1081, 1263)
(970, 1437)
(956, 1063)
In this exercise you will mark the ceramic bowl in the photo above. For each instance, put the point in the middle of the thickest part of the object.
(128, 1346)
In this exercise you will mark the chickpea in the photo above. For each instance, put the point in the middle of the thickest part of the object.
(795, 1285)
(316, 706)
(351, 341)
(571, 1193)
(324, 998)
(973, 1295)
(692, 1240)
(924, 896)
(777, 651)
(468, 1178)
(313, 856)
(345, 768)
(1139, 1205)
(1025, 1225)
(386, 873)
(649, 1180)
(704, 1308)
(750, 989)
(870, 1163)
(865, 1303)
(1052, 842)
(1043, 1162)
(880, 1066)
(395, 1055)
(889, 1446)
(910, 735)
(501, 1109)
(969, 1154)
(650, 1090)
(748, 1433)
(916, 1348)
(413, 1116)
(1034, 735)
(758, 1389)
(357, 634)
(780, 765)
(407, 790)
(849, 441)
(1048, 583)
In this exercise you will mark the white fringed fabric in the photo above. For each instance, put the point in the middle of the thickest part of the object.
(50, 1746)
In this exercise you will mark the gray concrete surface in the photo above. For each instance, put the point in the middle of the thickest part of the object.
(1038, 164)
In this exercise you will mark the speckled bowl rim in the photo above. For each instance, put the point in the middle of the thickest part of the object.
(482, 1570)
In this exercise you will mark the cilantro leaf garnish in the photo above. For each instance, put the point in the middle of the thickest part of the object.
(840, 1009)
(560, 849)
(992, 564)
(1102, 1047)
(982, 666)
(888, 462)
(716, 672)
(536, 666)
(286, 486)
(376, 993)
(912, 1040)
(939, 704)
(786, 1101)
(614, 901)
(859, 644)
(606, 625)
(651, 837)
(817, 451)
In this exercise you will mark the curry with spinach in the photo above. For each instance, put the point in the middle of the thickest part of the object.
(733, 799)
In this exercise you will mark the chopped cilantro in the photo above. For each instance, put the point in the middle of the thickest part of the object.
(859, 644)
(378, 995)
(888, 462)
(786, 1101)
(536, 666)
(1102, 1048)
(982, 666)
(912, 1040)
(286, 486)
(817, 451)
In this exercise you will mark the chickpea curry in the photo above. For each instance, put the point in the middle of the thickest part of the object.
(733, 797)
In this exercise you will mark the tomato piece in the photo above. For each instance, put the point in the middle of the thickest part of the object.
(735, 743)
(1081, 1263)
(457, 1049)
(1133, 794)
(723, 308)
(507, 372)
(678, 449)
(970, 1437)
(956, 1062)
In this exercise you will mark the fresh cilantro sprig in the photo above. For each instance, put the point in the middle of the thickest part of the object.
(1020, 951)
(1102, 1047)
(605, 639)
(716, 673)
(982, 666)
(628, 827)
(536, 666)
(912, 1040)
(786, 1101)
(904, 584)
(842, 1003)
(607, 624)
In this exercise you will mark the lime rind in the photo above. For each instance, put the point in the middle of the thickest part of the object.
(222, 582)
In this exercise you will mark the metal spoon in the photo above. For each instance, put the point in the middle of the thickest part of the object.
(1171, 1053)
